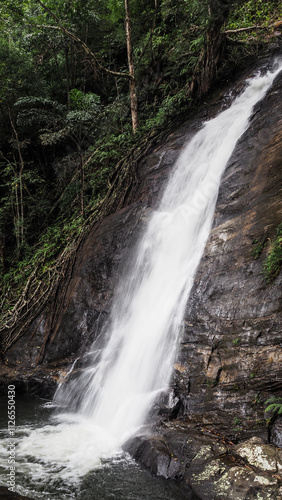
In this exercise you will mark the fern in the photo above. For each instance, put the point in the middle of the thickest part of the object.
(32, 102)
(274, 405)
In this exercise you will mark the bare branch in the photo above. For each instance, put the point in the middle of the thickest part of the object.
(250, 28)
(85, 47)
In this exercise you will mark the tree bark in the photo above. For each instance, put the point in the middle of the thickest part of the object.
(132, 82)
(207, 65)
(19, 199)
(82, 184)
(2, 250)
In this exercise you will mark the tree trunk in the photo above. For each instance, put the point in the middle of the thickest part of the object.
(67, 76)
(2, 250)
(21, 200)
(19, 196)
(82, 184)
(17, 220)
(206, 69)
(132, 82)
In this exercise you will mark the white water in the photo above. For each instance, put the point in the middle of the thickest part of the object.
(114, 395)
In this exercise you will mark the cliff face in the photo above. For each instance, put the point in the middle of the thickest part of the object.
(229, 361)
(230, 357)
(230, 349)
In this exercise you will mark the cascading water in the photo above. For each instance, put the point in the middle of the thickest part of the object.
(114, 394)
(148, 309)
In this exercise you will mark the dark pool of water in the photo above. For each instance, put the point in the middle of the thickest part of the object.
(119, 479)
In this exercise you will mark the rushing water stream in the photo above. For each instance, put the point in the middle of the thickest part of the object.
(111, 398)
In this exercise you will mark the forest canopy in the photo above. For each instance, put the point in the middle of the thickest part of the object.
(68, 73)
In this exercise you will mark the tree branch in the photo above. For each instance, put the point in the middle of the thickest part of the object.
(245, 29)
(85, 47)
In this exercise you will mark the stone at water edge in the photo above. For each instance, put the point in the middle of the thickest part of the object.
(6, 494)
(275, 433)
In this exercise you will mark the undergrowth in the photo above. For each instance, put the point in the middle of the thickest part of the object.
(273, 261)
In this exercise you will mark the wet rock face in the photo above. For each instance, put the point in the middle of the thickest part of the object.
(6, 494)
(231, 356)
(275, 432)
(155, 454)
(213, 467)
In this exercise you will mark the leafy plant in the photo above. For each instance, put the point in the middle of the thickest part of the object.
(79, 100)
(258, 248)
(236, 342)
(171, 106)
(41, 257)
(273, 261)
(254, 12)
(237, 424)
(274, 405)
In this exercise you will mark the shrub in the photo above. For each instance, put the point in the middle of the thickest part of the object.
(273, 261)
(274, 405)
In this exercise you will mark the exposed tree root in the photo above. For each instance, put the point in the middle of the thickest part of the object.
(49, 288)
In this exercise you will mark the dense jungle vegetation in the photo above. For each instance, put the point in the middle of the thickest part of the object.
(82, 82)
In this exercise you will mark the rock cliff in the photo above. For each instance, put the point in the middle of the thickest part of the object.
(230, 357)
(229, 360)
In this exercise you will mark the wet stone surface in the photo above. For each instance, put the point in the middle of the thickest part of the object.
(230, 358)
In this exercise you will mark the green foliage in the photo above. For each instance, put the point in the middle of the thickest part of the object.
(52, 123)
(34, 113)
(170, 108)
(274, 405)
(41, 257)
(258, 249)
(237, 424)
(254, 12)
(211, 382)
(15, 72)
(273, 261)
(236, 342)
(82, 101)
(257, 400)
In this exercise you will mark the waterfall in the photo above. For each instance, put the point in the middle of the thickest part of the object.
(114, 393)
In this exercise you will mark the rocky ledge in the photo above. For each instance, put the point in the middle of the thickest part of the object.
(6, 494)
(214, 467)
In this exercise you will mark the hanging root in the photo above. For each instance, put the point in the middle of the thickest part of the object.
(49, 287)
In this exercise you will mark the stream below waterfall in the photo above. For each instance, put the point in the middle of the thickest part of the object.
(76, 452)
(119, 478)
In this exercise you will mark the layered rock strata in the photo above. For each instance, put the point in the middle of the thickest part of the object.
(229, 360)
